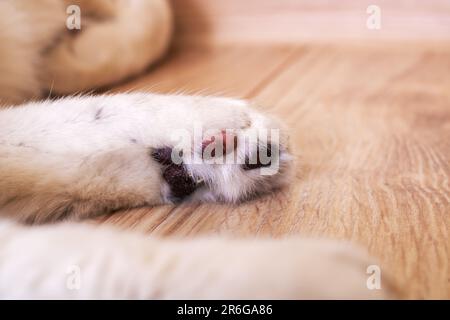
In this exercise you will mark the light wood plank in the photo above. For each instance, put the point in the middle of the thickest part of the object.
(199, 70)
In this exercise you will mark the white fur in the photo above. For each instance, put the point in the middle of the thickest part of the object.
(84, 155)
(84, 262)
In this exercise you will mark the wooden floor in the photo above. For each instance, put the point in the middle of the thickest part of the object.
(370, 126)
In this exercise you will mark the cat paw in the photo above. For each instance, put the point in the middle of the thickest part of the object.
(230, 155)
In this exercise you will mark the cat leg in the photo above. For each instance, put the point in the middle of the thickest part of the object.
(72, 261)
(81, 156)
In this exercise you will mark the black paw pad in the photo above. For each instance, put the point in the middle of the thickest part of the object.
(162, 155)
(179, 180)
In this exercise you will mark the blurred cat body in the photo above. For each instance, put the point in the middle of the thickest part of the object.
(40, 54)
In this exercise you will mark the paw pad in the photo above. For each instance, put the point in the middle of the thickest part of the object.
(179, 180)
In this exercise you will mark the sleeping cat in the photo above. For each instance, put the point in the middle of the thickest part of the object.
(77, 157)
